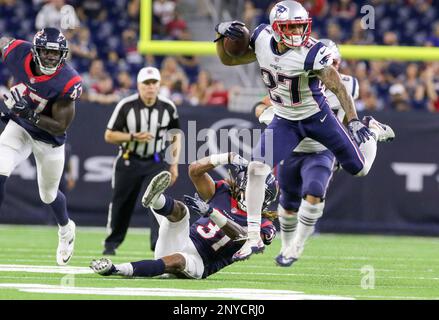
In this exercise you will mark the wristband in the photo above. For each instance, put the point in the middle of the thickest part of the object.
(131, 137)
(219, 159)
(218, 218)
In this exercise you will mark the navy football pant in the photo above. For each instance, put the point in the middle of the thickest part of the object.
(282, 136)
(302, 174)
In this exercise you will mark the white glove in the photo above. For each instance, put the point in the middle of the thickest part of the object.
(8, 100)
(237, 160)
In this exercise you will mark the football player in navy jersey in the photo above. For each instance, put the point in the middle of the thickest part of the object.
(201, 249)
(41, 107)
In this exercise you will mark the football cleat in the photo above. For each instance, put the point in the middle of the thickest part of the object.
(103, 266)
(155, 188)
(251, 246)
(66, 244)
(386, 133)
(283, 261)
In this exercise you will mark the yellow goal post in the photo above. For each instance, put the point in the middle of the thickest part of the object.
(207, 48)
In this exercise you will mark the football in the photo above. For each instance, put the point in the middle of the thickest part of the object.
(236, 48)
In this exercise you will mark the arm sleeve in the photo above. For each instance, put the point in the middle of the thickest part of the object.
(73, 88)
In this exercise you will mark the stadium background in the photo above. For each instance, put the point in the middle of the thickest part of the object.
(400, 194)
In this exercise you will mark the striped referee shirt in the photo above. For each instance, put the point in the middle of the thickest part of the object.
(132, 115)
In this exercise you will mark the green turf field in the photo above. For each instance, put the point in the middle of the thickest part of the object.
(333, 266)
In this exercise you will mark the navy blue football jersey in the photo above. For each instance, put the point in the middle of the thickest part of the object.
(41, 92)
(214, 246)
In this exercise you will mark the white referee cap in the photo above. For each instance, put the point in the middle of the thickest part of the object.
(148, 73)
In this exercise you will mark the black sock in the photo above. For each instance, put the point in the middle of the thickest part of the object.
(148, 268)
(167, 208)
(59, 207)
(2, 188)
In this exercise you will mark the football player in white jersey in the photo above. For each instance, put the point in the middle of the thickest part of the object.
(305, 174)
(294, 66)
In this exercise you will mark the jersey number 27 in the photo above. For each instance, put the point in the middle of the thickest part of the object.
(273, 82)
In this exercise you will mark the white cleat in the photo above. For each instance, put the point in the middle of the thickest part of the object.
(103, 266)
(386, 133)
(251, 246)
(155, 188)
(66, 244)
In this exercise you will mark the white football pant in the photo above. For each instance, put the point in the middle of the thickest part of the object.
(174, 238)
(16, 145)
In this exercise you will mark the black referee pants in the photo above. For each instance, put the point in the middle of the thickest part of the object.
(129, 177)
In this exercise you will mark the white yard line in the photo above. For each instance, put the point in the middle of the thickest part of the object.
(86, 270)
(227, 293)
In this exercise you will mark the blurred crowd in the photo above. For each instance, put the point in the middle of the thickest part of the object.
(103, 37)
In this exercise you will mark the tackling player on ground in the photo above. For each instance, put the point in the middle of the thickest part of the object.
(208, 245)
(41, 107)
(294, 66)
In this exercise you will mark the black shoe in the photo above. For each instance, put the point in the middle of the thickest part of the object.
(109, 252)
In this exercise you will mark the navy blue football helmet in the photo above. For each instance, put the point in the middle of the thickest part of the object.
(271, 191)
(49, 50)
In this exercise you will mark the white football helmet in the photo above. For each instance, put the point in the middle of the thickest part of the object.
(332, 46)
(285, 14)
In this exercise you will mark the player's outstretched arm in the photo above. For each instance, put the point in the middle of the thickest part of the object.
(198, 171)
(331, 79)
(227, 60)
(233, 230)
(63, 112)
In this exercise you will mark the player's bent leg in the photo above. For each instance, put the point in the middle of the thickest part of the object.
(288, 224)
(383, 132)
(153, 193)
(311, 209)
(144, 268)
(173, 236)
(254, 198)
(66, 243)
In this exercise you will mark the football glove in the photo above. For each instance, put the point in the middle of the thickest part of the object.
(359, 131)
(197, 205)
(19, 107)
(230, 29)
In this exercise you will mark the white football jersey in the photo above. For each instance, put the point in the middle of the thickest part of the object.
(295, 92)
(309, 145)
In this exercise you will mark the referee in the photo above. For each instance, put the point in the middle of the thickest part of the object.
(138, 125)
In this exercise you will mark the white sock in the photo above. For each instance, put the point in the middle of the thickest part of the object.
(254, 196)
(159, 203)
(369, 151)
(64, 229)
(124, 269)
(308, 215)
(288, 224)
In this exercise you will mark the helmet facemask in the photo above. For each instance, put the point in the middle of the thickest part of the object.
(271, 191)
(49, 50)
(289, 38)
(44, 58)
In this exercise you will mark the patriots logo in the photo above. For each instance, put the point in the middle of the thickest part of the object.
(280, 9)
(325, 59)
